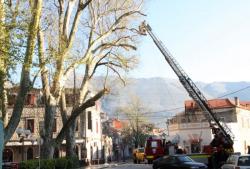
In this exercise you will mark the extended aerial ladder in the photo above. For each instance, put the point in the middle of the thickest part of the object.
(191, 88)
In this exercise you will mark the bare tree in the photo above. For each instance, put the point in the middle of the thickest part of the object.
(135, 111)
(102, 36)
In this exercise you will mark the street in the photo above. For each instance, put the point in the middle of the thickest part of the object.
(133, 166)
(122, 166)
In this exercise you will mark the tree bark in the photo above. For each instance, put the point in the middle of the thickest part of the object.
(4, 48)
(47, 149)
(48, 141)
(70, 133)
(70, 140)
(25, 76)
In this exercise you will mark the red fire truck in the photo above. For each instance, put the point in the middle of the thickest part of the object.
(154, 148)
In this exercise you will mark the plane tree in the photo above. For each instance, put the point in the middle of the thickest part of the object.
(94, 35)
(58, 37)
(18, 29)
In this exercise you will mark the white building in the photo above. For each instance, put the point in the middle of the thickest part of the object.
(191, 130)
(88, 135)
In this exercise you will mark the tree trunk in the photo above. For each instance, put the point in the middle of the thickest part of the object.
(4, 48)
(48, 141)
(47, 149)
(3, 91)
(25, 76)
(70, 142)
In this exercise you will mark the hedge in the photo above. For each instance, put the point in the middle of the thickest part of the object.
(60, 163)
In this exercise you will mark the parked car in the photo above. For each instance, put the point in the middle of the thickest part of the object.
(10, 165)
(200, 157)
(177, 162)
(237, 161)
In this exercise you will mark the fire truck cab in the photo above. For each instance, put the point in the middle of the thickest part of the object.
(154, 148)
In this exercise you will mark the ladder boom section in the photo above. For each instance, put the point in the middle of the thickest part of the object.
(189, 85)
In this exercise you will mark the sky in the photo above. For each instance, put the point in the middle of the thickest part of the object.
(210, 39)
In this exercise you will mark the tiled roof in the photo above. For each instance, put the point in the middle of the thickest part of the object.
(220, 104)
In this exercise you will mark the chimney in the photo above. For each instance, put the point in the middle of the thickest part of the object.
(237, 101)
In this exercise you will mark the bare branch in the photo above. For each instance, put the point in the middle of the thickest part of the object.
(35, 77)
(120, 77)
(44, 72)
(67, 16)
(96, 65)
(63, 108)
(81, 6)
(114, 27)
(77, 111)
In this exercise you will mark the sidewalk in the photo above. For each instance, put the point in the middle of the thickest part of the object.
(107, 165)
(100, 166)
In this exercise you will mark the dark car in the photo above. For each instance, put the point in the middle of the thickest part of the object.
(177, 161)
(10, 165)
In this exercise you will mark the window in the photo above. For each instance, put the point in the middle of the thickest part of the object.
(244, 161)
(7, 155)
(30, 125)
(153, 144)
(54, 127)
(195, 147)
(29, 153)
(89, 120)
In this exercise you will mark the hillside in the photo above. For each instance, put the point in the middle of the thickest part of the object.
(164, 97)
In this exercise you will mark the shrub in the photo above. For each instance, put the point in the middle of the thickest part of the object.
(33, 164)
(30, 164)
(60, 163)
(47, 164)
(73, 162)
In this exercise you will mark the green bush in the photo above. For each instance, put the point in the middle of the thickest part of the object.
(33, 164)
(30, 164)
(73, 162)
(60, 163)
(47, 164)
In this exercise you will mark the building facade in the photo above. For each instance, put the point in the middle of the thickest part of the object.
(25, 143)
(191, 130)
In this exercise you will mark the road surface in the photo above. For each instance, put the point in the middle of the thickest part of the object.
(122, 166)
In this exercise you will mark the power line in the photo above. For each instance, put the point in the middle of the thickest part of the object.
(184, 107)
(235, 91)
(169, 110)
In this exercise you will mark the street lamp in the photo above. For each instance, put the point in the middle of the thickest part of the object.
(22, 134)
(39, 141)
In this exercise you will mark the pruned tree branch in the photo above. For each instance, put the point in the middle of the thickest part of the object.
(77, 111)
